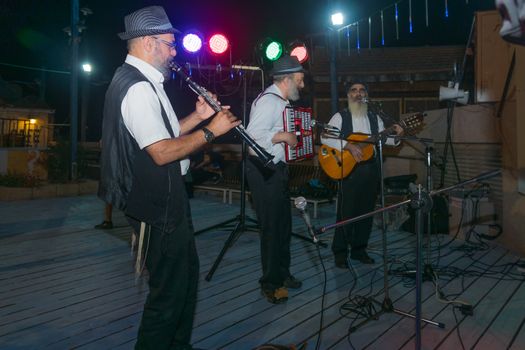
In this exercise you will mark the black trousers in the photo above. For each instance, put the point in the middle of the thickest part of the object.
(357, 196)
(173, 267)
(269, 187)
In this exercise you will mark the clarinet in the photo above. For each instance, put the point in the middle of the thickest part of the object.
(264, 156)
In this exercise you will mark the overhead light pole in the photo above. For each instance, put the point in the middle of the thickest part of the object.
(337, 21)
(74, 31)
(73, 107)
(84, 100)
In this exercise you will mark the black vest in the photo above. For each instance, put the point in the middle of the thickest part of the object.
(347, 128)
(130, 179)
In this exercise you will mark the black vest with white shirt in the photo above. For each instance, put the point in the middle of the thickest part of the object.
(130, 179)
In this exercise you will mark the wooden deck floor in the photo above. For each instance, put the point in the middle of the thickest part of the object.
(65, 285)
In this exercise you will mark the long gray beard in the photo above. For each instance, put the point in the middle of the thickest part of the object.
(358, 109)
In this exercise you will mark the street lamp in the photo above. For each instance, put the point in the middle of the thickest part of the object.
(87, 68)
(84, 100)
(73, 102)
(337, 20)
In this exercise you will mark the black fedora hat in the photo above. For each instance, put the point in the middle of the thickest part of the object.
(286, 65)
(151, 20)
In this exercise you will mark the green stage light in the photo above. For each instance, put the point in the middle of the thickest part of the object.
(273, 50)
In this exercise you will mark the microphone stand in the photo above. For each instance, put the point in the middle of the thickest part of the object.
(421, 201)
(428, 270)
(241, 225)
(387, 306)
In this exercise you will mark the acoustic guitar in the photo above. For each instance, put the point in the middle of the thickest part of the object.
(338, 165)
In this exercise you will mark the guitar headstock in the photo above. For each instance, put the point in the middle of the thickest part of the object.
(413, 123)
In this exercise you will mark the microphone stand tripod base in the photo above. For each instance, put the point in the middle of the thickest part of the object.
(428, 273)
(388, 307)
(230, 223)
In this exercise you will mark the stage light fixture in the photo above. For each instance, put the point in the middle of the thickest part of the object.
(300, 51)
(273, 50)
(219, 44)
(192, 42)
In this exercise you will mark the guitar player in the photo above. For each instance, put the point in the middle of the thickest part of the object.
(358, 191)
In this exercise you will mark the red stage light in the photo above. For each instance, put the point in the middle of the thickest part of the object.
(300, 52)
(218, 44)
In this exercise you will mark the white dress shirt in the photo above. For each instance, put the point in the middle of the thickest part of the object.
(266, 119)
(142, 112)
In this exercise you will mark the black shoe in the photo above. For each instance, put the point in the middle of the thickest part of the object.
(292, 283)
(343, 264)
(277, 296)
(184, 347)
(363, 258)
(105, 225)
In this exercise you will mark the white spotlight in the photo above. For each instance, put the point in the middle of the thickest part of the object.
(86, 67)
(337, 19)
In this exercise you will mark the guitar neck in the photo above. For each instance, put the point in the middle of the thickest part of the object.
(408, 124)
(372, 139)
(388, 131)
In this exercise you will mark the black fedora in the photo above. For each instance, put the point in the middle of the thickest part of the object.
(151, 20)
(286, 65)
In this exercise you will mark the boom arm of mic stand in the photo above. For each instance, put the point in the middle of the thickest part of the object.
(481, 177)
(251, 68)
(423, 140)
(478, 178)
(360, 217)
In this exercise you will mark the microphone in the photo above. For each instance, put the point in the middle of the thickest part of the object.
(367, 101)
(237, 66)
(324, 126)
(300, 203)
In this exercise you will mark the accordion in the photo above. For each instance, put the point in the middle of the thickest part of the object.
(298, 120)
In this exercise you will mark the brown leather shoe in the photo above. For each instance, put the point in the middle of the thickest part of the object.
(277, 296)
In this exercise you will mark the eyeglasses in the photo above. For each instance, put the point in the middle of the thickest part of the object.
(171, 44)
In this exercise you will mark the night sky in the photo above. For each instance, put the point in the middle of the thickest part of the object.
(33, 36)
